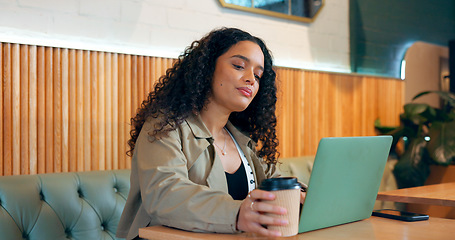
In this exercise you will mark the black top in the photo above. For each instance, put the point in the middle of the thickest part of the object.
(237, 183)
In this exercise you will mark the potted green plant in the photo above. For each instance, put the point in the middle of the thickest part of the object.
(427, 136)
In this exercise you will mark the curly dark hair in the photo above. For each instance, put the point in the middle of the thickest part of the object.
(186, 88)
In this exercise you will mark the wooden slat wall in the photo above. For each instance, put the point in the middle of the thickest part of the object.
(313, 105)
(69, 110)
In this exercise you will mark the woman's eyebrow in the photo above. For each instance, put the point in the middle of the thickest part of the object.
(246, 59)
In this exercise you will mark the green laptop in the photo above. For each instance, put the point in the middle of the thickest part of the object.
(344, 181)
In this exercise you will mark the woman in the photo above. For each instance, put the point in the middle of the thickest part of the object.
(195, 161)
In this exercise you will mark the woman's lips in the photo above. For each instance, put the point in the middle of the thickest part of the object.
(245, 91)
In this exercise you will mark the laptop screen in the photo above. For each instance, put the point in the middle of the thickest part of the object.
(344, 181)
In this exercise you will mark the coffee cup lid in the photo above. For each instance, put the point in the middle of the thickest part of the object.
(283, 183)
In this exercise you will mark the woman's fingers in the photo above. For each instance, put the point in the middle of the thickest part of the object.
(257, 198)
(269, 233)
(264, 207)
(261, 195)
(254, 213)
(257, 228)
(302, 197)
(264, 219)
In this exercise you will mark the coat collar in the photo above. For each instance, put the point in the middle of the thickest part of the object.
(198, 127)
(216, 179)
(199, 130)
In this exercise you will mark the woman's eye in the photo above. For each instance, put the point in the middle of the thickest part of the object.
(237, 66)
(257, 77)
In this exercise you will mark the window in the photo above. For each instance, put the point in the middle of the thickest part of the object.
(298, 10)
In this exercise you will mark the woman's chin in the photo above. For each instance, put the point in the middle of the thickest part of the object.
(240, 108)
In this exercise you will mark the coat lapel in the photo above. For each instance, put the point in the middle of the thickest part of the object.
(216, 178)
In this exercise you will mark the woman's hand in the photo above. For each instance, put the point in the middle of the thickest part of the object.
(252, 214)
(303, 189)
(302, 197)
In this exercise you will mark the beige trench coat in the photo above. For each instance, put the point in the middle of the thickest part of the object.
(179, 181)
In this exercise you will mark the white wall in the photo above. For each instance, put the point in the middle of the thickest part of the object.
(164, 28)
(425, 65)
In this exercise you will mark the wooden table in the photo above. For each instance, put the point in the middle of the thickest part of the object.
(438, 194)
(371, 228)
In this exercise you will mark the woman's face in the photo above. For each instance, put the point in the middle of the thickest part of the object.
(237, 76)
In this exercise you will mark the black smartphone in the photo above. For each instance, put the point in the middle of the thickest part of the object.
(400, 215)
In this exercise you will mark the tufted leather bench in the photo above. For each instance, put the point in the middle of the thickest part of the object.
(77, 205)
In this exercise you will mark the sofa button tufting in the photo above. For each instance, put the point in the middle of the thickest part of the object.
(102, 227)
(41, 196)
(79, 192)
(115, 189)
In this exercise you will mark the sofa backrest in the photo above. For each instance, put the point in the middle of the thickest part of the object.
(76, 205)
(299, 167)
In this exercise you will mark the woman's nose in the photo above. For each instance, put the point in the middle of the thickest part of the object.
(249, 77)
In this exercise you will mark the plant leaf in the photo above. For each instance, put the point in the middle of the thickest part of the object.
(415, 108)
(448, 96)
(396, 132)
(383, 129)
(418, 113)
(442, 142)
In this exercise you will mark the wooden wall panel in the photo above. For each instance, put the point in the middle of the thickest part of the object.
(115, 113)
(72, 110)
(65, 109)
(41, 110)
(87, 96)
(7, 110)
(69, 110)
(79, 115)
(93, 106)
(121, 111)
(49, 113)
(16, 106)
(24, 110)
(124, 163)
(33, 110)
(107, 140)
(57, 110)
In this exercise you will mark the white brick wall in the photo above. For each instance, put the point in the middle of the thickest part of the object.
(100, 8)
(143, 12)
(49, 6)
(24, 19)
(165, 27)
